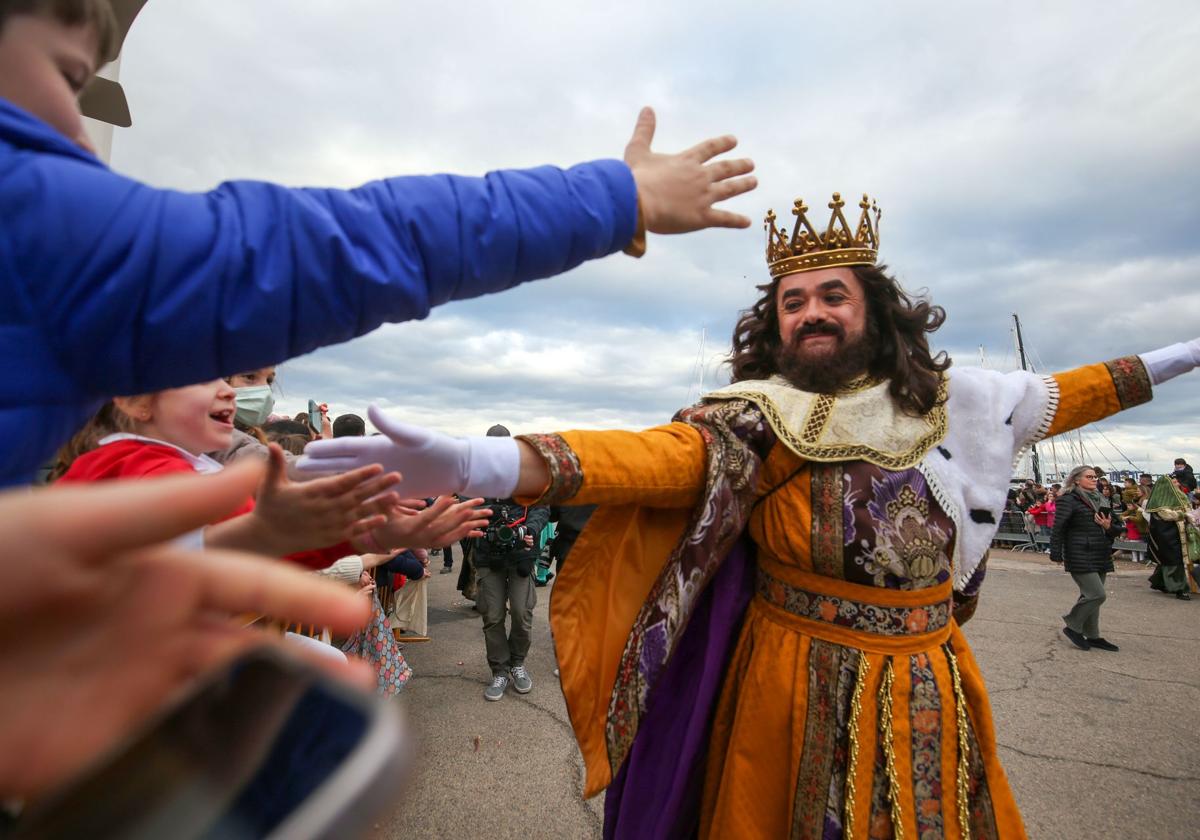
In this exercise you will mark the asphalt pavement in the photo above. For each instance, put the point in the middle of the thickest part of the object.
(1095, 744)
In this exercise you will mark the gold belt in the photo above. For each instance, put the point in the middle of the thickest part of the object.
(868, 618)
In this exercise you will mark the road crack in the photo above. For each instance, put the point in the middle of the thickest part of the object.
(1148, 679)
(1103, 764)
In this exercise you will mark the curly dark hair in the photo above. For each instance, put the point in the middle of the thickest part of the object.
(901, 324)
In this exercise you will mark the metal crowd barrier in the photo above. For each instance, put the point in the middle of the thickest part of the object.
(1018, 532)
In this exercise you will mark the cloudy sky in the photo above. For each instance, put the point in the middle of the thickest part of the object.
(1029, 157)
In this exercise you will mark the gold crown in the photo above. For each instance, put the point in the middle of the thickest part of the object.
(807, 249)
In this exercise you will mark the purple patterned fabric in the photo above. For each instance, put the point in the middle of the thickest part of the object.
(657, 791)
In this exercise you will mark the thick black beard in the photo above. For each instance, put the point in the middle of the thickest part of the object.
(831, 372)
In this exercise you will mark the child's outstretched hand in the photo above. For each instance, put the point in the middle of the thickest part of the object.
(444, 522)
(325, 511)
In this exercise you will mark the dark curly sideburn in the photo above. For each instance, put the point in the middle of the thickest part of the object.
(902, 355)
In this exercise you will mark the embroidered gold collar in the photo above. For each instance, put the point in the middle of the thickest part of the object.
(861, 423)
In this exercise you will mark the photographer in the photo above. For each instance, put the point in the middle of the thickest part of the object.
(504, 558)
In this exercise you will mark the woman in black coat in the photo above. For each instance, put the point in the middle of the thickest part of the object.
(1084, 528)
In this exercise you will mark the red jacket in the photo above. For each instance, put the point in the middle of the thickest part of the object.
(127, 459)
(1043, 514)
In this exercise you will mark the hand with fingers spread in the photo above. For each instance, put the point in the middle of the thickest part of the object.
(293, 516)
(676, 192)
(431, 463)
(110, 623)
(445, 521)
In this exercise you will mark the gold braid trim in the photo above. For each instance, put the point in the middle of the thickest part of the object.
(864, 667)
(889, 749)
(964, 747)
(935, 426)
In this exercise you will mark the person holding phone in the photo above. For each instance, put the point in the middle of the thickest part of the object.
(1081, 539)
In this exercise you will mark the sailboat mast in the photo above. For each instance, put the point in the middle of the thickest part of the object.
(1033, 453)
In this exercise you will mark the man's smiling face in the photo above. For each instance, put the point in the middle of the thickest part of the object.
(820, 311)
(824, 334)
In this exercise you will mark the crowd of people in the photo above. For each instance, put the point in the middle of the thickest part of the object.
(1127, 500)
(773, 578)
(1083, 518)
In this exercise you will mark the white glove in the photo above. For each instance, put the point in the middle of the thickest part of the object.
(1170, 362)
(431, 463)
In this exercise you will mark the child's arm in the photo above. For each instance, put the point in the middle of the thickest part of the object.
(164, 288)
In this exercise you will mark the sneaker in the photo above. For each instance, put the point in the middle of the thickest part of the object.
(521, 681)
(446, 570)
(1102, 644)
(495, 691)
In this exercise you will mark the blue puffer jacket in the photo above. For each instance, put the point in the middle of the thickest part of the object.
(108, 286)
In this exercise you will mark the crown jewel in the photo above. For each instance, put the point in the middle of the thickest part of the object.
(807, 249)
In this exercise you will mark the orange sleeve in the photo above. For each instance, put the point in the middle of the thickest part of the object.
(661, 467)
(1093, 392)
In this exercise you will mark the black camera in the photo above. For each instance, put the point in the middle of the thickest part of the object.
(503, 537)
(504, 532)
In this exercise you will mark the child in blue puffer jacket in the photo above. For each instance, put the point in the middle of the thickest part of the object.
(109, 286)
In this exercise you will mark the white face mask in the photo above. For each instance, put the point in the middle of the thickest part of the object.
(254, 404)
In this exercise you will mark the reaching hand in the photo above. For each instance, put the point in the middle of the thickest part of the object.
(442, 523)
(677, 192)
(432, 464)
(108, 623)
(325, 511)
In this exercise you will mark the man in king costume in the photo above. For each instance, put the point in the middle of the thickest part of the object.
(759, 629)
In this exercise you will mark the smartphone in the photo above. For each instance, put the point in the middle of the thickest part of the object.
(314, 416)
(270, 747)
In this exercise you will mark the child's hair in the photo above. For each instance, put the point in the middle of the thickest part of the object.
(107, 421)
(277, 428)
(292, 443)
(96, 14)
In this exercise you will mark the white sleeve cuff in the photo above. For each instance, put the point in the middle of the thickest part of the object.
(1169, 362)
(493, 467)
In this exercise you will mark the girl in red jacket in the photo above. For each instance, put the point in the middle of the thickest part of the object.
(314, 523)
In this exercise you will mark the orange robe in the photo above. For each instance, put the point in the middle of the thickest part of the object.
(852, 703)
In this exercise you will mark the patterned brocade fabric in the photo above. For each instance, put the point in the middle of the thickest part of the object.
(1131, 379)
(925, 722)
(894, 533)
(737, 439)
(820, 784)
(566, 473)
(854, 615)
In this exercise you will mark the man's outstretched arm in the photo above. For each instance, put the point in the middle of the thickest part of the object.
(1093, 392)
(660, 467)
